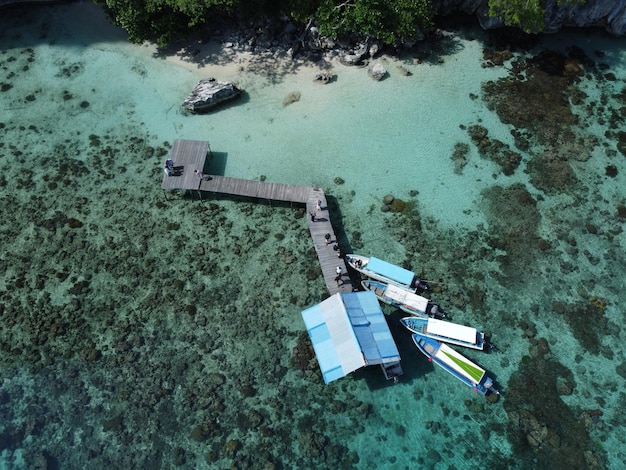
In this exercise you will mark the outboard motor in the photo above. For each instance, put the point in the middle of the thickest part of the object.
(492, 347)
(419, 285)
(434, 311)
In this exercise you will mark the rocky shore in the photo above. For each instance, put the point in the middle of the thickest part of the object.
(607, 14)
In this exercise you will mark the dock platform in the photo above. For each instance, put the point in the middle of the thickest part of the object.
(190, 155)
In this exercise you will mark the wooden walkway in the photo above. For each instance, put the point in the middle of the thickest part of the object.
(252, 188)
(327, 256)
(189, 155)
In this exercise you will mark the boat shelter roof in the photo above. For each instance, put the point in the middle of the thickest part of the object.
(349, 331)
(391, 271)
(452, 330)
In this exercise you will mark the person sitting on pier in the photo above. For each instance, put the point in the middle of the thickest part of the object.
(170, 164)
(168, 171)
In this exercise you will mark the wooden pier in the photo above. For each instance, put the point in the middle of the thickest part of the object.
(190, 155)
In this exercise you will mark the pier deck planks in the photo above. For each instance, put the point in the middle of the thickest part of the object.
(189, 155)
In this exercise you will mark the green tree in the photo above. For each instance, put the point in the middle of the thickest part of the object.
(390, 21)
(528, 15)
(163, 21)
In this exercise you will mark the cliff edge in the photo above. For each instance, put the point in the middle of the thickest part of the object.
(607, 14)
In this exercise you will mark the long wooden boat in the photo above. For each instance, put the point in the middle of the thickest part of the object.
(456, 364)
(445, 331)
(404, 299)
(386, 272)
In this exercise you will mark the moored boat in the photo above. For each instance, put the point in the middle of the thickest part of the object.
(445, 331)
(456, 364)
(386, 272)
(404, 299)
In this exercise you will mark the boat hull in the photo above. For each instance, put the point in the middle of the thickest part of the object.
(404, 299)
(380, 270)
(455, 364)
(446, 332)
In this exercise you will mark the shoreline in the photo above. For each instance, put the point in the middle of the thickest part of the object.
(224, 55)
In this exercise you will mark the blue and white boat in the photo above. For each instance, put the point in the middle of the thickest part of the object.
(445, 331)
(386, 272)
(456, 364)
(404, 299)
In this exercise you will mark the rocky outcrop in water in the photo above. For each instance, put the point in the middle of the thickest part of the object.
(607, 14)
(210, 93)
(377, 72)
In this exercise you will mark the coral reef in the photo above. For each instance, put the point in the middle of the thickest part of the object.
(493, 149)
(541, 426)
(513, 220)
(536, 99)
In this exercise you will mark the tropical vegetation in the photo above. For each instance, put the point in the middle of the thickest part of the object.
(390, 21)
(528, 15)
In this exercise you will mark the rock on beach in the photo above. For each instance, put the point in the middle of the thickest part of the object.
(210, 93)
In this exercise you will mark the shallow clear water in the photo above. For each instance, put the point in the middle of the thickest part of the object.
(140, 331)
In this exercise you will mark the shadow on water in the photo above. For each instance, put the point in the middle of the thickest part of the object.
(414, 365)
(90, 24)
(216, 164)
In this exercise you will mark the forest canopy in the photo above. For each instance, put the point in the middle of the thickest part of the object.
(390, 21)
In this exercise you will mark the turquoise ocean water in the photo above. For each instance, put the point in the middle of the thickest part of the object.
(145, 332)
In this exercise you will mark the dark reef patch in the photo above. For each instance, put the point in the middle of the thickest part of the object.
(494, 149)
(543, 430)
(587, 321)
(536, 98)
(513, 220)
(551, 173)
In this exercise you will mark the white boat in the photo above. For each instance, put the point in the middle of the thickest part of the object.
(404, 299)
(386, 272)
(445, 331)
(455, 364)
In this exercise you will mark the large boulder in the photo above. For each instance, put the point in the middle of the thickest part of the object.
(354, 57)
(210, 93)
(377, 72)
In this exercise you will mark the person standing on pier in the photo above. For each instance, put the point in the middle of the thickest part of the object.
(313, 214)
(318, 206)
(168, 167)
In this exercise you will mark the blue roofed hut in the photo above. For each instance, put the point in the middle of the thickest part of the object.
(349, 331)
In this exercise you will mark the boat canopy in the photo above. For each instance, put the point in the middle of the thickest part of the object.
(403, 296)
(451, 330)
(460, 364)
(391, 271)
(349, 331)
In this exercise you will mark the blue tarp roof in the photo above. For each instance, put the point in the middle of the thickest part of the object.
(349, 331)
(398, 274)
